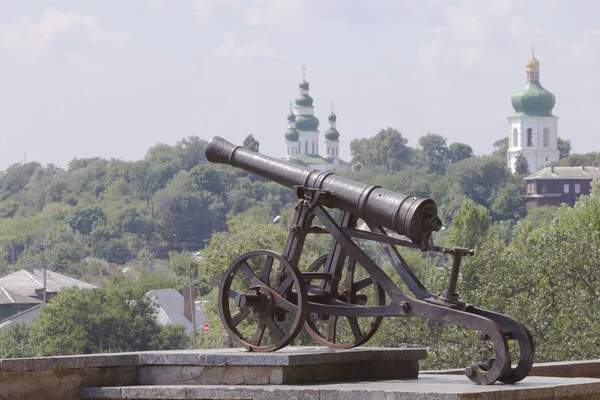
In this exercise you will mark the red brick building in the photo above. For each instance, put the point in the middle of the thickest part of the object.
(552, 186)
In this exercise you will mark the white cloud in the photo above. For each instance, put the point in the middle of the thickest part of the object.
(203, 9)
(275, 13)
(30, 39)
(245, 48)
(588, 49)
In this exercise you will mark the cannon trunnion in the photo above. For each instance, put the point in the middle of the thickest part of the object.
(265, 299)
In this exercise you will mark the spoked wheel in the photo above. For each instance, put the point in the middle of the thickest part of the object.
(263, 301)
(356, 287)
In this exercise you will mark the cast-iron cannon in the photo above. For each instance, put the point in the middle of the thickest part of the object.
(341, 297)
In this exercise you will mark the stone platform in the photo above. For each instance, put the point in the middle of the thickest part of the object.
(426, 387)
(295, 373)
(62, 377)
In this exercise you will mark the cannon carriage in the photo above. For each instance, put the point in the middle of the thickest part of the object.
(341, 298)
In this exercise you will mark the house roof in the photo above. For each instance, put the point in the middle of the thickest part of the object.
(582, 172)
(26, 316)
(25, 283)
(9, 297)
(170, 310)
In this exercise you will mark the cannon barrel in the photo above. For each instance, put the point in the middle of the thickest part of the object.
(411, 216)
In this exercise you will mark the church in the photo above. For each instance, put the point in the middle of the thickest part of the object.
(533, 129)
(302, 136)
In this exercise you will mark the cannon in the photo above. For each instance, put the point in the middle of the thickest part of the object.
(342, 296)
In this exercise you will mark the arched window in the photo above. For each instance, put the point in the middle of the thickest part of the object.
(546, 138)
(529, 137)
(515, 138)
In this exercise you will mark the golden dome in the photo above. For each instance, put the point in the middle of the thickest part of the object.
(533, 63)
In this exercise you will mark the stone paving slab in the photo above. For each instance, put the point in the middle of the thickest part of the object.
(426, 387)
(289, 356)
(565, 369)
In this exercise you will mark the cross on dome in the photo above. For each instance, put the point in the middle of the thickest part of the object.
(303, 71)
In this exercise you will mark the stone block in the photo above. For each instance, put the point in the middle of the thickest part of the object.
(192, 357)
(70, 362)
(212, 376)
(233, 375)
(154, 392)
(256, 375)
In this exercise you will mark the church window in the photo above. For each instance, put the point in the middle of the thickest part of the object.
(313, 147)
(515, 138)
(566, 187)
(577, 188)
(306, 147)
(529, 137)
(546, 138)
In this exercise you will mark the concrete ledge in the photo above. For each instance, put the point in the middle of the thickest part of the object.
(61, 377)
(565, 369)
(438, 387)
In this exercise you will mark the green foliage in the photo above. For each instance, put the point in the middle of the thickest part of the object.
(501, 148)
(16, 341)
(386, 150)
(480, 178)
(521, 165)
(435, 152)
(564, 148)
(470, 225)
(100, 321)
(85, 219)
(458, 152)
(251, 143)
(509, 204)
(577, 160)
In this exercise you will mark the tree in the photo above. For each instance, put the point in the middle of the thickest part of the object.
(501, 148)
(478, 178)
(521, 165)
(510, 201)
(387, 150)
(15, 178)
(99, 321)
(564, 148)
(251, 143)
(85, 219)
(470, 225)
(435, 152)
(16, 342)
(458, 152)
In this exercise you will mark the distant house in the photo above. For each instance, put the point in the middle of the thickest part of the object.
(24, 317)
(30, 282)
(12, 303)
(552, 186)
(174, 309)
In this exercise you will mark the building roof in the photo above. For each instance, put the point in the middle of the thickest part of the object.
(25, 283)
(26, 316)
(582, 172)
(170, 310)
(10, 297)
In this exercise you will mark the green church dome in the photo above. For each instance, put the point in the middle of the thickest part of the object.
(291, 117)
(304, 85)
(533, 101)
(307, 122)
(332, 117)
(304, 100)
(292, 135)
(332, 134)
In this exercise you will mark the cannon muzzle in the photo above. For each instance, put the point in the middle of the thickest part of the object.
(411, 216)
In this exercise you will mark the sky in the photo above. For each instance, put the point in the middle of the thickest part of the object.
(112, 78)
